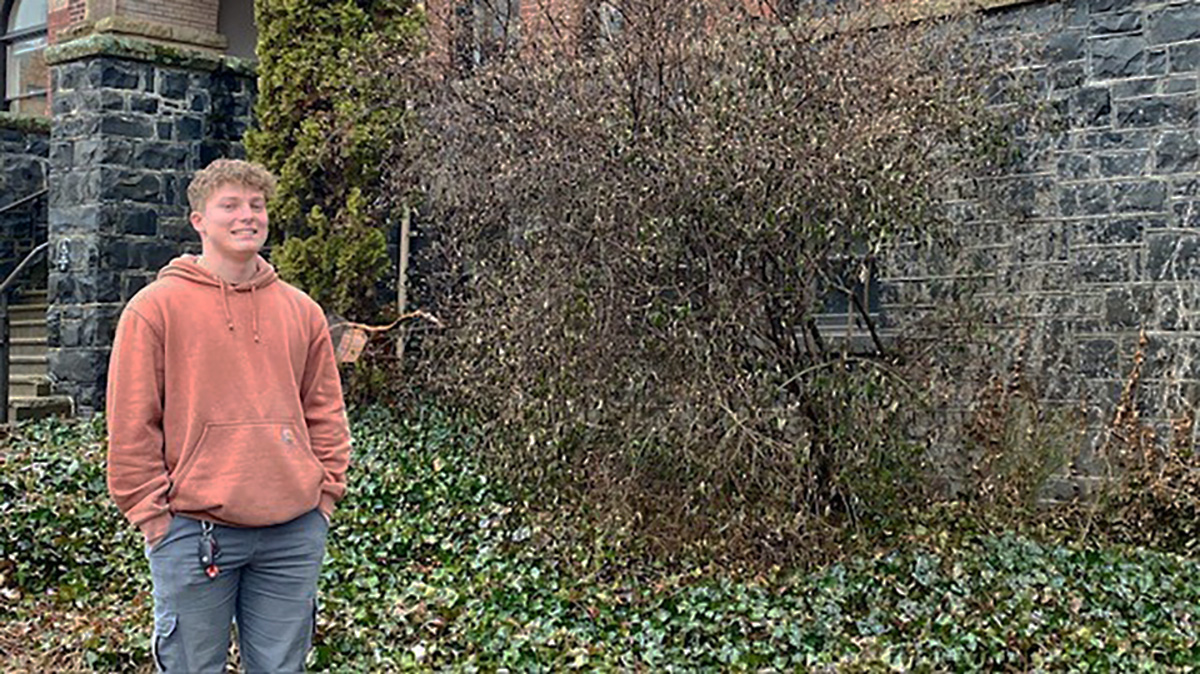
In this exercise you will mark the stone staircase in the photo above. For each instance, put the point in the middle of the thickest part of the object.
(28, 368)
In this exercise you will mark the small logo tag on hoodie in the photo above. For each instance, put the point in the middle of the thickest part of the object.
(287, 436)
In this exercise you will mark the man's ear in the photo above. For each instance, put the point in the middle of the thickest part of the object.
(197, 221)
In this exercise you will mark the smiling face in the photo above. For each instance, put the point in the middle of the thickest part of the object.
(232, 223)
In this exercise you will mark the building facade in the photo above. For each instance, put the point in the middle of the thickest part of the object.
(114, 103)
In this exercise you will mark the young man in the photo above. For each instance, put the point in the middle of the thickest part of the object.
(228, 441)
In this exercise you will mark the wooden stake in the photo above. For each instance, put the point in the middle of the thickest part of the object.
(402, 279)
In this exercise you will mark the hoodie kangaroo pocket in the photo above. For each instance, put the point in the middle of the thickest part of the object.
(249, 473)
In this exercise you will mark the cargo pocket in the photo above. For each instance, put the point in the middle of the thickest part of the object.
(164, 629)
(312, 631)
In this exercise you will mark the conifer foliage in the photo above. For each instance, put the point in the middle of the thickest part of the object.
(325, 121)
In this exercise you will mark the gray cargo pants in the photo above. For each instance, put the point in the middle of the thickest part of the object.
(267, 582)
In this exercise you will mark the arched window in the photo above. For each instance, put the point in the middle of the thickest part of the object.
(26, 77)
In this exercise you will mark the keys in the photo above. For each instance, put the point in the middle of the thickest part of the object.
(209, 550)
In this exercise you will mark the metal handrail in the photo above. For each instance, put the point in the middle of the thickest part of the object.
(24, 200)
(12, 278)
(8, 284)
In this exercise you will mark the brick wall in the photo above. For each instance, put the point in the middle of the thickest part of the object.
(196, 14)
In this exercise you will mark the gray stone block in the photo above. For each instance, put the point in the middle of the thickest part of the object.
(104, 100)
(143, 103)
(1185, 58)
(172, 84)
(1067, 76)
(137, 219)
(1122, 22)
(160, 155)
(1142, 86)
(144, 254)
(1129, 306)
(79, 125)
(1123, 164)
(78, 365)
(62, 154)
(1091, 106)
(1085, 199)
(64, 103)
(1108, 231)
(1074, 166)
(1139, 196)
(124, 184)
(1154, 111)
(114, 74)
(1156, 61)
(189, 128)
(132, 283)
(70, 76)
(1180, 85)
(1118, 57)
(1141, 112)
(1174, 24)
(1176, 152)
(97, 151)
(1096, 357)
(82, 219)
(199, 101)
(1173, 256)
(84, 287)
(127, 125)
(1096, 6)
(1187, 213)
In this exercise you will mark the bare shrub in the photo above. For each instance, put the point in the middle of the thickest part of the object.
(1152, 495)
(631, 242)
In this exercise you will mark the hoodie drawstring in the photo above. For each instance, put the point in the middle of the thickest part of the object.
(225, 299)
(254, 308)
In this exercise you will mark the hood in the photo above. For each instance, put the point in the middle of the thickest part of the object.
(186, 268)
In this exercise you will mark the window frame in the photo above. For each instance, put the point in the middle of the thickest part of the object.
(7, 39)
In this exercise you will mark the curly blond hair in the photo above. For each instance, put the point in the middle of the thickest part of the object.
(229, 172)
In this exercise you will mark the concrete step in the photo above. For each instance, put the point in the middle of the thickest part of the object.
(28, 385)
(35, 329)
(23, 365)
(27, 346)
(27, 312)
(23, 408)
(32, 296)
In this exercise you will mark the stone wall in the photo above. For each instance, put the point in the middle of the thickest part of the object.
(24, 151)
(1098, 236)
(132, 123)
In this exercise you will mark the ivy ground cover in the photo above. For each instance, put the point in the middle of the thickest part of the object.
(434, 567)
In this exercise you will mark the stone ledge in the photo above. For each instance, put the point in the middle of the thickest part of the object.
(171, 35)
(26, 123)
(145, 50)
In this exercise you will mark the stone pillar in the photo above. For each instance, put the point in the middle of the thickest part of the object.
(132, 121)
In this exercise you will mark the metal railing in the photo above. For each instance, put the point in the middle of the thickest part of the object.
(8, 284)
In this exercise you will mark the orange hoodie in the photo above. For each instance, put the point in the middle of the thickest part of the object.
(224, 403)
